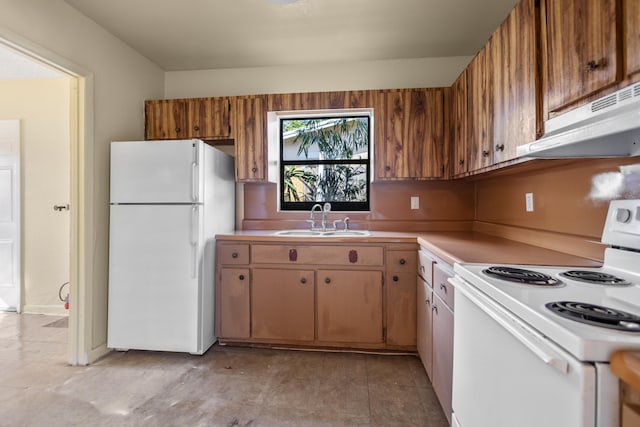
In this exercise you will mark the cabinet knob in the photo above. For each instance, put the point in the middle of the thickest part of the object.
(196, 128)
(234, 255)
(303, 280)
(434, 308)
(178, 130)
(427, 301)
(443, 287)
(396, 278)
(422, 268)
(254, 169)
(499, 147)
(387, 168)
(241, 277)
(327, 280)
(461, 162)
(592, 66)
(485, 153)
(402, 261)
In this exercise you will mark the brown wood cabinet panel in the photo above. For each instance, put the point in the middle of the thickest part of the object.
(318, 100)
(209, 118)
(442, 378)
(402, 261)
(413, 135)
(582, 49)
(401, 308)
(233, 303)
(513, 57)
(283, 304)
(480, 107)
(459, 126)
(317, 254)
(251, 134)
(349, 306)
(165, 119)
(632, 35)
(424, 325)
(233, 253)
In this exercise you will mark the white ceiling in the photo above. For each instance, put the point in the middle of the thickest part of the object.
(210, 34)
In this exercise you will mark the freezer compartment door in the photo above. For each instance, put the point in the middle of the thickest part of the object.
(156, 171)
(155, 280)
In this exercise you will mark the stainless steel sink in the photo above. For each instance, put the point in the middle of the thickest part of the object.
(314, 233)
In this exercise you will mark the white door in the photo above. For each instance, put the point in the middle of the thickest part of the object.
(9, 214)
(155, 171)
(154, 254)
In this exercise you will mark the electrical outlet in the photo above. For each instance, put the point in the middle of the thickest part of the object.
(415, 202)
(528, 197)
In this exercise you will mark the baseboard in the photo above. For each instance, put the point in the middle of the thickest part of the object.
(582, 246)
(51, 310)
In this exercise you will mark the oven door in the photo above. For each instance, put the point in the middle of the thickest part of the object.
(507, 374)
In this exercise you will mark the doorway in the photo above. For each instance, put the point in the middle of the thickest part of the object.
(50, 122)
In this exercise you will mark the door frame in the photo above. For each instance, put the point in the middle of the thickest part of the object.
(82, 226)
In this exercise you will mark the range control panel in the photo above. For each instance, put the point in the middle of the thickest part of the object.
(622, 227)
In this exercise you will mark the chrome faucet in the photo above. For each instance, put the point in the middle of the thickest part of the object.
(324, 210)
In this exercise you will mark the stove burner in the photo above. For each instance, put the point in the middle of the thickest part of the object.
(596, 315)
(521, 276)
(595, 277)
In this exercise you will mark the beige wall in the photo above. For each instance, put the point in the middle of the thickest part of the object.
(401, 73)
(42, 106)
(122, 80)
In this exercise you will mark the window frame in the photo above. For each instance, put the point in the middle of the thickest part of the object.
(288, 206)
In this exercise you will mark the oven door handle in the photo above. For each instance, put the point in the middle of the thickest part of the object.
(521, 331)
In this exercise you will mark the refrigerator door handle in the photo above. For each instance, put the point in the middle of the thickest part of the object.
(194, 182)
(194, 240)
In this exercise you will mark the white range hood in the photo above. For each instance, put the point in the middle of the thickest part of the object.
(606, 127)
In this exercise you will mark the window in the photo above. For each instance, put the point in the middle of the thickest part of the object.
(325, 159)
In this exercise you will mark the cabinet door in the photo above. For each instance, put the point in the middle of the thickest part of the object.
(251, 133)
(350, 306)
(442, 353)
(512, 55)
(582, 45)
(233, 303)
(166, 119)
(632, 35)
(479, 90)
(282, 304)
(414, 134)
(401, 309)
(209, 118)
(424, 340)
(459, 127)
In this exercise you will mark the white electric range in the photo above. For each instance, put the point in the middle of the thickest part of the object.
(532, 343)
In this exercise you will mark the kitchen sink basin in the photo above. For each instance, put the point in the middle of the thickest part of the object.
(314, 233)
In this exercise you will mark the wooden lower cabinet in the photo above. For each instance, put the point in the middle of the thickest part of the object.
(400, 286)
(350, 306)
(424, 326)
(442, 377)
(233, 303)
(283, 304)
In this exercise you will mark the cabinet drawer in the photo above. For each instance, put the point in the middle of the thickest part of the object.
(233, 253)
(441, 287)
(318, 255)
(425, 268)
(402, 261)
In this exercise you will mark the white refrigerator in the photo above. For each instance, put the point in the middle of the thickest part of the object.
(168, 201)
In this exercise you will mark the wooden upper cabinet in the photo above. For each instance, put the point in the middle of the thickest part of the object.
(480, 113)
(204, 118)
(165, 119)
(209, 118)
(581, 52)
(632, 35)
(512, 60)
(318, 100)
(411, 137)
(250, 138)
(459, 127)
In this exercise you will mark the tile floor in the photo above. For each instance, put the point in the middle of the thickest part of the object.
(228, 386)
